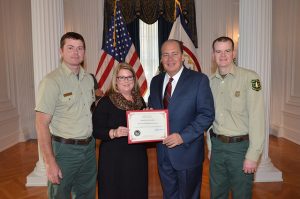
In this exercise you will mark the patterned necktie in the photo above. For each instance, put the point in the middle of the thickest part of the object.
(167, 94)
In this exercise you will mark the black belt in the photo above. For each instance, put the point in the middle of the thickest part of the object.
(229, 139)
(72, 141)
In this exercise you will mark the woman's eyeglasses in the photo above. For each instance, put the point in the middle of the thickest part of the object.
(123, 78)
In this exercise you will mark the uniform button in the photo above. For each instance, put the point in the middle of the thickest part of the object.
(222, 82)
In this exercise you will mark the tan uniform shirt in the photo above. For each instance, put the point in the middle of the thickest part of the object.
(239, 107)
(67, 99)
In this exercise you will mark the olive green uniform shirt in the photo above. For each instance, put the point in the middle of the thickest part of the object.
(67, 98)
(239, 107)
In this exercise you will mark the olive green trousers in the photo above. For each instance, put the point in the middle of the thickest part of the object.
(79, 170)
(226, 171)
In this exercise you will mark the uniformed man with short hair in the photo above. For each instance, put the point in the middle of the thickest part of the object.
(236, 138)
(64, 124)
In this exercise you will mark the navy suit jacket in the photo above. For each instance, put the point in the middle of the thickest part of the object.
(191, 112)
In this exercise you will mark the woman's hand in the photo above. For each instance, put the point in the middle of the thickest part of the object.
(121, 131)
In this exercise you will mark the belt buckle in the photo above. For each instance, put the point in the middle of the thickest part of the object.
(76, 142)
(237, 139)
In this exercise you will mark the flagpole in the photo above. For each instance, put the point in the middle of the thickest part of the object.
(175, 4)
(114, 34)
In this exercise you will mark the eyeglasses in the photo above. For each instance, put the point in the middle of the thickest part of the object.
(123, 78)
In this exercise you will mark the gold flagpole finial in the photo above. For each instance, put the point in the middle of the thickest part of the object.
(176, 3)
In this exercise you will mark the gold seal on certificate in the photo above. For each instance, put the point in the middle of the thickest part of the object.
(147, 125)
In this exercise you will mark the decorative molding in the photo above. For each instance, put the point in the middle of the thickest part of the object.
(16, 78)
(9, 141)
(289, 129)
(292, 46)
(24, 70)
(276, 130)
(295, 45)
(292, 135)
(10, 116)
(9, 132)
(9, 125)
(292, 115)
(285, 102)
(290, 126)
(8, 58)
(6, 105)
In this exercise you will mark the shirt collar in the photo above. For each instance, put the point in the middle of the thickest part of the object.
(68, 72)
(231, 72)
(175, 77)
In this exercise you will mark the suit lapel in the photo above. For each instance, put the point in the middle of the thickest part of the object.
(160, 88)
(180, 83)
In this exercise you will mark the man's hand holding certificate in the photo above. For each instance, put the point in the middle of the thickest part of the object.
(147, 125)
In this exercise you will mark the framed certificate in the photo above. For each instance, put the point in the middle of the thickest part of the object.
(147, 125)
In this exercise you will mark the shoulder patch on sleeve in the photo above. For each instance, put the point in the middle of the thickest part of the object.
(256, 84)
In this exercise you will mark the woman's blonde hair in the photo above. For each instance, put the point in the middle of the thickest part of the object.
(113, 87)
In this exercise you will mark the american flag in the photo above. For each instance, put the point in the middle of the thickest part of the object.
(118, 48)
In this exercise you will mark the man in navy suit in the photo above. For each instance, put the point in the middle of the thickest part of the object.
(191, 112)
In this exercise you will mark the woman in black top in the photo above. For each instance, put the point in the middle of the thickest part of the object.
(123, 167)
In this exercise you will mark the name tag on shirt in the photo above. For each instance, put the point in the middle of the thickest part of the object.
(67, 94)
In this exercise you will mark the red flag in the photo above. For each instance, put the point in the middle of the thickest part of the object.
(180, 32)
(118, 48)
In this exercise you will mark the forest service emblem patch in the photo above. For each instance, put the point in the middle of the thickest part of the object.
(256, 84)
